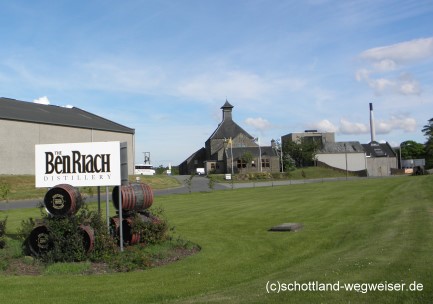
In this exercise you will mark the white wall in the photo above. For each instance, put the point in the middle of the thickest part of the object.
(18, 140)
(381, 166)
(355, 161)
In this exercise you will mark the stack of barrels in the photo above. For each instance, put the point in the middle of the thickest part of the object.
(136, 199)
(60, 201)
(65, 200)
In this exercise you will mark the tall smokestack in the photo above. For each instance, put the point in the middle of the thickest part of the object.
(372, 130)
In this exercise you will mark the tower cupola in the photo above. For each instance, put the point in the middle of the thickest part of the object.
(227, 110)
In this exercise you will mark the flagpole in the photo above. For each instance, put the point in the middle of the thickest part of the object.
(260, 154)
(231, 152)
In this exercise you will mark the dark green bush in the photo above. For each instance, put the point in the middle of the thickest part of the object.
(152, 227)
(2, 233)
(65, 237)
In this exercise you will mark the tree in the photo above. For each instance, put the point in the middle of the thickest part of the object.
(160, 169)
(301, 152)
(247, 158)
(412, 150)
(428, 132)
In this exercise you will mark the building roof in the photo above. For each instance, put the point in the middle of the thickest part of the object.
(375, 149)
(11, 109)
(255, 151)
(342, 147)
(228, 128)
(227, 105)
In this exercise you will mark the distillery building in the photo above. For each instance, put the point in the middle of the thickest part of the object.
(25, 124)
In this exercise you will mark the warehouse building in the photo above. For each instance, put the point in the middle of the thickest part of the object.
(348, 156)
(25, 124)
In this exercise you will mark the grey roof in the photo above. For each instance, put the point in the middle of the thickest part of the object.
(342, 147)
(228, 128)
(227, 105)
(255, 151)
(197, 154)
(11, 109)
(375, 149)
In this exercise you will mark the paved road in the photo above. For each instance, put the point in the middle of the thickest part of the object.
(199, 184)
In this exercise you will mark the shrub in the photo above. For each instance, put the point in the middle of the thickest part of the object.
(65, 238)
(5, 189)
(132, 258)
(211, 182)
(152, 227)
(2, 233)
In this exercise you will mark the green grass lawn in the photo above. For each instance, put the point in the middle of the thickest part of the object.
(361, 231)
(23, 186)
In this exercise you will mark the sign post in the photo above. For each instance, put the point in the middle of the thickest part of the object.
(83, 164)
(78, 164)
(124, 181)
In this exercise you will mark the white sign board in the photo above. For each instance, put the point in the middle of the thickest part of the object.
(78, 164)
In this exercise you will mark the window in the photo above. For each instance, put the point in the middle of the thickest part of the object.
(253, 164)
(241, 164)
(265, 163)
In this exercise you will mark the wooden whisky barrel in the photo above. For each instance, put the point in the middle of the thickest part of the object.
(39, 241)
(62, 200)
(135, 197)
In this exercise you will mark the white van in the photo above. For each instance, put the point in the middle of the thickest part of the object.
(141, 169)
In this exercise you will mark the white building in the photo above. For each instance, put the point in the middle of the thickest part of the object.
(348, 156)
(372, 159)
(24, 125)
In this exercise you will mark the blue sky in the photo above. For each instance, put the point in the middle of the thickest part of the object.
(165, 68)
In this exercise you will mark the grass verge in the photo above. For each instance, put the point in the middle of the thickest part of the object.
(23, 186)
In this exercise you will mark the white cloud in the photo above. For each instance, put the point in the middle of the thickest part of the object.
(388, 59)
(236, 85)
(127, 76)
(324, 126)
(401, 122)
(395, 123)
(347, 127)
(407, 51)
(385, 65)
(407, 85)
(42, 100)
(259, 123)
(362, 74)
(404, 84)
(381, 85)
